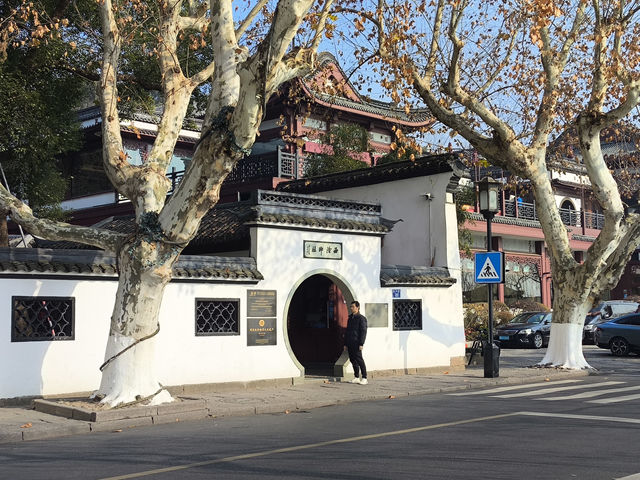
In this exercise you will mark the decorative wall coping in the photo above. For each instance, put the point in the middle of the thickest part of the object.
(415, 276)
(99, 264)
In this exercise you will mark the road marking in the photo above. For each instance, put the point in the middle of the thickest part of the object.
(373, 436)
(593, 394)
(615, 399)
(630, 477)
(544, 391)
(308, 446)
(581, 417)
(513, 387)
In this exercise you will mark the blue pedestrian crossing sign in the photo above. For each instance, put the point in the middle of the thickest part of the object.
(489, 267)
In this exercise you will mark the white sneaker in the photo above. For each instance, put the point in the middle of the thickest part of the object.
(363, 381)
(356, 380)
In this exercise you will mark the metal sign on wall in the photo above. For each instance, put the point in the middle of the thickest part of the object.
(261, 317)
(327, 250)
(261, 331)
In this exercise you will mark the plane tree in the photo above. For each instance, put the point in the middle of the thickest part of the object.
(510, 76)
(254, 47)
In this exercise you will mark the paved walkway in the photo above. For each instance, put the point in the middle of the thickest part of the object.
(55, 418)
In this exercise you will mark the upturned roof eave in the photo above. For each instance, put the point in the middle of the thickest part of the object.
(313, 97)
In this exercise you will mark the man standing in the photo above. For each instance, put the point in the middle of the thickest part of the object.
(354, 341)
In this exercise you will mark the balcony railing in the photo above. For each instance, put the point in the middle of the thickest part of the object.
(273, 164)
(575, 218)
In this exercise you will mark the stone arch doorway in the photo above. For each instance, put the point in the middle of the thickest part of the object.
(316, 321)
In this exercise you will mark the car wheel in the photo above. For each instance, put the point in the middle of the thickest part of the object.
(619, 346)
(537, 341)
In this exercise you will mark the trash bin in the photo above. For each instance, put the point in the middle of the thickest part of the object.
(491, 354)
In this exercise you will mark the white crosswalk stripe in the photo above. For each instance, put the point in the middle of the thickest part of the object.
(616, 399)
(512, 387)
(542, 391)
(597, 393)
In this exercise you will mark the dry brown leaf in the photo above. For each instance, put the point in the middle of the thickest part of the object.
(27, 425)
(116, 431)
(392, 396)
(287, 412)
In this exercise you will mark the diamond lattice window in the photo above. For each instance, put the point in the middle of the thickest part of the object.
(217, 317)
(407, 315)
(42, 318)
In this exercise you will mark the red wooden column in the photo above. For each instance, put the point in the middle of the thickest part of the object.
(545, 275)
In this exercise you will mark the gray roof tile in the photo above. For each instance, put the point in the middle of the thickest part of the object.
(405, 275)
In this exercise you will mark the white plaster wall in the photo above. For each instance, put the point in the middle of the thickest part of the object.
(418, 239)
(47, 368)
(280, 256)
(50, 367)
(441, 337)
(89, 201)
(187, 359)
(576, 201)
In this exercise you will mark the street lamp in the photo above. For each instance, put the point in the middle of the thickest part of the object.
(489, 193)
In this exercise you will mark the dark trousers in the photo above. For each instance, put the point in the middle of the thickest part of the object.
(355, 356)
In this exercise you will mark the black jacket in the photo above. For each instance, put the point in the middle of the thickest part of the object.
(356, 332)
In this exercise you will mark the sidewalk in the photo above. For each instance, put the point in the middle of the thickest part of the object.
(24, 423)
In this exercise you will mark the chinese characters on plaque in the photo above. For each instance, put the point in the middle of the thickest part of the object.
(327, 250)
(261, 317)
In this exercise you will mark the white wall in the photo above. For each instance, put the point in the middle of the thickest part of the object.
(45, 367)
(419, 239)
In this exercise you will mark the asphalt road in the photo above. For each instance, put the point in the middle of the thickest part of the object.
(584, 428)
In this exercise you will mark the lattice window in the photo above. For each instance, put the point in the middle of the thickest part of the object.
(217, 317)
(42, 318)
(407, 315)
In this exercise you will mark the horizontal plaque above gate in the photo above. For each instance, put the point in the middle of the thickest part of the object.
(327, 250)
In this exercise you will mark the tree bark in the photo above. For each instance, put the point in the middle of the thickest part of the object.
(129, 374)
(4, 230)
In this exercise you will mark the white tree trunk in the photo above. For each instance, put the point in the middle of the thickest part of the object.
(565, 347)
(129, 372)
(565, 343)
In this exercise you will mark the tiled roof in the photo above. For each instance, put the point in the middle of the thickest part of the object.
(520, 222)
(423, 166)
(334, 224)
(94, 263)
(404, 275)
(386, 110)
(226, 227)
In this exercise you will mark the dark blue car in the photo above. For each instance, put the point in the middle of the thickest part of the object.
(621, 335)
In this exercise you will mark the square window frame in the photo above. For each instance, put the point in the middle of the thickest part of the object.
(216, 334)
(71, 337)
(393, 314)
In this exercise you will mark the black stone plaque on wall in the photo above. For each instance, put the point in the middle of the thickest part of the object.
(261, 317)
(261, 331)
(261, 303)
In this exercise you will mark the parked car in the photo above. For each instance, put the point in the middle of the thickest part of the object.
(621, 335)
(603, 312)
(527, 329)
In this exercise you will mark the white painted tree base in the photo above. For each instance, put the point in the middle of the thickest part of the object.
(131, 376)
(565, 347)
